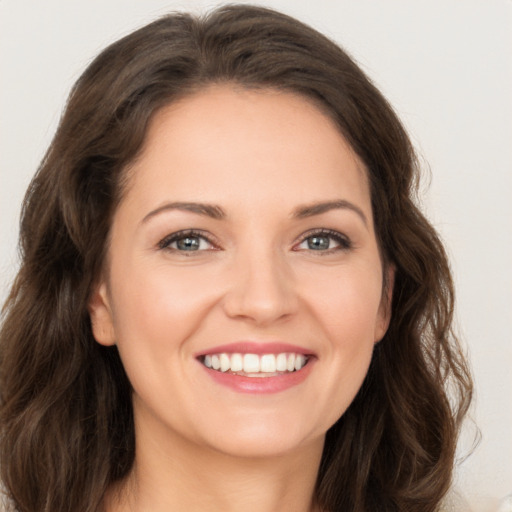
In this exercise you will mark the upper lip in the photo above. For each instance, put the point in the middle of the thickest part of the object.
(255, 347)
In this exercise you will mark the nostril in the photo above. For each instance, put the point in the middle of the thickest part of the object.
(260, 304)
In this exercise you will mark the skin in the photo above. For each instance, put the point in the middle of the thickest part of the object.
(260, 156)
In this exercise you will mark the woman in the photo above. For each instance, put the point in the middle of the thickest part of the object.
(227, 298)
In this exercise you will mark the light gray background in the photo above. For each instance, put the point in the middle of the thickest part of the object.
(445, 65)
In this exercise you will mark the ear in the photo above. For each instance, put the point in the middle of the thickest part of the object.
(384, 315)
(100, 313)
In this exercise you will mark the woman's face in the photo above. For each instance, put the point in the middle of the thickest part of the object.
(245, 239)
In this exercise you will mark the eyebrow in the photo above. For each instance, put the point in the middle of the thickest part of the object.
(209, 210)
(324, 206)
(301, 212)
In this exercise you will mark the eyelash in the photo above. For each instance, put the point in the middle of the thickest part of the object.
(343, 242)
(180, 235)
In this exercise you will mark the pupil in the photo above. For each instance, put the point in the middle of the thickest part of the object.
(318, 243)
(188, 244)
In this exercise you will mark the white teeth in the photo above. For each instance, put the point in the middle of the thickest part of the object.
(225, 363)
(281, 362)
(254, 365)
(251, 363)
(268, 363)
(237, 362)
(300, 361)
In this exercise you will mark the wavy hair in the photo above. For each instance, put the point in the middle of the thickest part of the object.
(66, 426)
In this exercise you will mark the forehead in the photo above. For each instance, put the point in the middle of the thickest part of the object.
(224, 140)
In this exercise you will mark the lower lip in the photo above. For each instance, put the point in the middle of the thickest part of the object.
(275, 384)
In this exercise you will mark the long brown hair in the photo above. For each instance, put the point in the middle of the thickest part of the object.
(66, 427)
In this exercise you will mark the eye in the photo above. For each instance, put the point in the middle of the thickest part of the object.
(186, 241)
(325, 241)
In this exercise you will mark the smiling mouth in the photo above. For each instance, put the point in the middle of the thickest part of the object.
(255, 365)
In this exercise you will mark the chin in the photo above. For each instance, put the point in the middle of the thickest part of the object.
(264, 439)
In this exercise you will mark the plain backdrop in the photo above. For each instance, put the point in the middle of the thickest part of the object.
(445, 65)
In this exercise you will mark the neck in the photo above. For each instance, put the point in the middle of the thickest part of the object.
(176, 475)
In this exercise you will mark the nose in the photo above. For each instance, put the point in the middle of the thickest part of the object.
(261, 289)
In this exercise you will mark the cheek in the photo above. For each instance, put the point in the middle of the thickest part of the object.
(345, 300)
(349, 321)
(156, 314)
(160, 305)
(346, 309)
